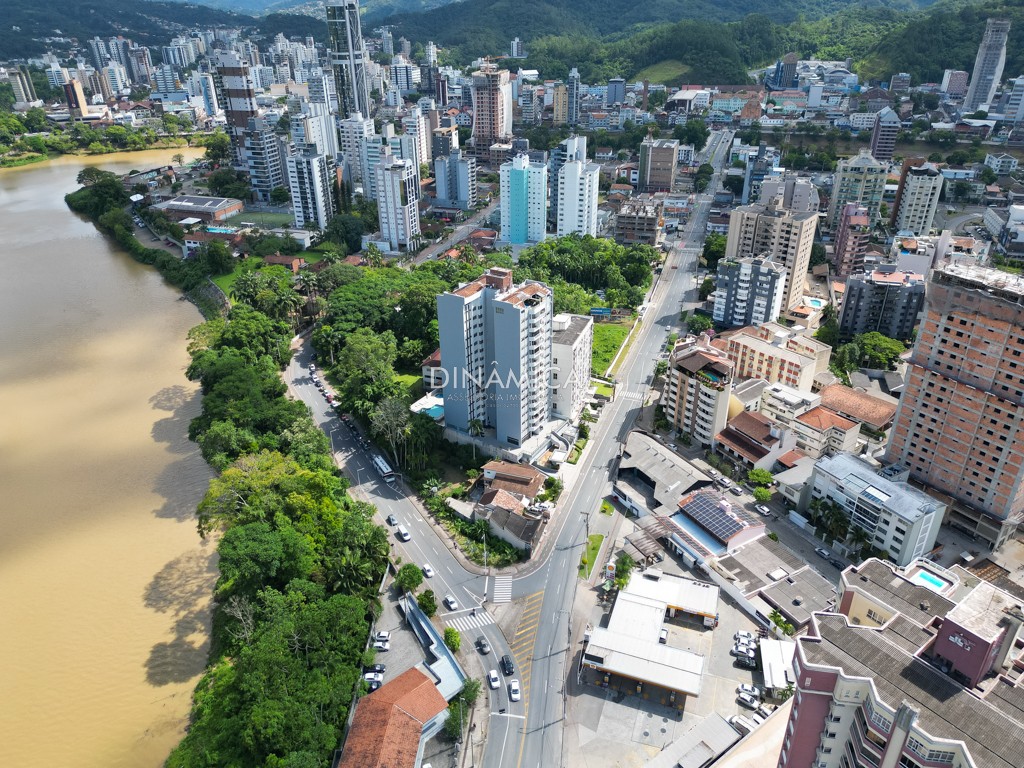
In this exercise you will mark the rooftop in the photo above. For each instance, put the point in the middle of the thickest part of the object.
(885, 583)
(671, 475)
(515, 478)
(859, 406)
(858, 477)
(198, 203)
(1010, 286)
(716, 515)
(983, 610)
(566, 328)
(821, 419)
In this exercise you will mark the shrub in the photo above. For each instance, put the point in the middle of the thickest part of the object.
(452, 639)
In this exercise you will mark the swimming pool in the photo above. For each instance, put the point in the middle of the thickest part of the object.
(930, 580)
(810, 301)
(435, 412)
(222, 230)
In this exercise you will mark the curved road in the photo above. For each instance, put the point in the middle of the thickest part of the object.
(529, 732)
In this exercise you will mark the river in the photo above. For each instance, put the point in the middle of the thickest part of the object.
(104, 583)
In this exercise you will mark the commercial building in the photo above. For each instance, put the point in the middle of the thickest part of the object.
(492, 108)
(988, 65)
(348, 57)
(959, 426)
(895, 517)
(885, 300)
(206, 209)
(883, 134)
(776, 233)
(859, 179)
(311, 184)
(748, 291)
(616, 93)
(852, 239)
(398, 197)
(576, 192)
(658, 162)
(697, 389)
(917, 197)
(819, 431)
(496, 353)
(650, 477)
(524, 200)
(455, 180)
(775, 353)
(916, 669)
(572, 341)
(640, 220)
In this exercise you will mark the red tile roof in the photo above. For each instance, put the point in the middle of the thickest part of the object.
(790, 458)
(860, 406)
(821, 418)
(388, 723)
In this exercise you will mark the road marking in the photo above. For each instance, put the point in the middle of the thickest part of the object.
(506, 714)
(469, 621)
(502, 589)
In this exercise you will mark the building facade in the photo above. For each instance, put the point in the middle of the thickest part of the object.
(577, 192)
(574, 96)
(492, 108)
(658, 162)
(885, 300)
(748, 291)
(496, 353)
(455, 180)
(959, 425)
(819, 431)
(697, 390)
(311, 186)
(237, 95)
(917, 198)
(852, 239)
(988, 65)
(883, 135)
(351, 132)
(264, 153)
(776, 354)
(524, 200)
(783, 236)
(398, 198)
(348, 57)
(572, 341)
(859, 179)
(640, 221)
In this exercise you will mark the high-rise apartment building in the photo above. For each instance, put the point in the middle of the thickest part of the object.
(883, 135)
(310, 183)
(574, 96)
(445, 138)
(348, 56)
(954, 83)
(796, 194)
(960, 425)
(263, 154)
(1014, 111)
(917, 197)
(312, 124)
(783, 236)
(572, 148)
(852, 239)
(78, 105)
(572, 341)
(914, 667)
(577, 192)
(775, 353)
(531, 104)
(430, 54)
(165, 79)
(492, 108)
(859, 179)
(351, 133)
(748, 291)
(416, 127)
(404, 75)
(524, 200)
(988, 65)
(516, 49)
(373, 150)
(21, 82)
(398, 198)
(559, 104)
(886, 301)
(697, 390)
(496, 342)
(237, 95)
(616, 93)
(387, 42)
(455, 180)
(658, 162)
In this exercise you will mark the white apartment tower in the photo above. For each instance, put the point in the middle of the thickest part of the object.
(988, 65)
(398, 197)
(918, 199)
(310, 185)
(455, 180)
(524, 200)
(417, 128)
(351, 133)
(577, 190)
(572, 341)
(496, 342)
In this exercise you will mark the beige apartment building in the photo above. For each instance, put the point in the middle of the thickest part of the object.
(775, 353)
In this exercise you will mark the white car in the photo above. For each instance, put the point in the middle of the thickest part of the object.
(493, 680)
(382, 645)
(744, 636)
(748, 701)
(382, 637)
(822, 552)
(451, 603)
(514, 694)
(742, 651)
(750, 690)
(427, 570)
(373, 677)
(763, 510)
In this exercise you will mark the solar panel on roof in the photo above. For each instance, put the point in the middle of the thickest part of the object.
(705, 509)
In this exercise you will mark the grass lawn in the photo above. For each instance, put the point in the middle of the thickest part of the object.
(629, 343)
(605, 390)
(667, 71)
(261, 219)
(608, 337)
(588, 558)
(224, 282)
(606, 507)
(411, 386)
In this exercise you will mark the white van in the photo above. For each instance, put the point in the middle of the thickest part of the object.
(742, 724)
(403, 533)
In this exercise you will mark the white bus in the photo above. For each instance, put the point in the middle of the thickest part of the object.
(383, 469)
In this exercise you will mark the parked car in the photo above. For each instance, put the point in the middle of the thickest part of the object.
(451, 603)
(514, 694)
(763, 510)
(373, 677)
(380, 668)
(736, 491)
(382, 636)
(745, 661)
(493, 680)
(482, 645)
(822, 552)
(837, 563)
(374, 685)
(382, 645)
(747, 701)
(750, 690)
(506, 665)
(742, 651)
(749, 636)
(725, 482)
(428, 571)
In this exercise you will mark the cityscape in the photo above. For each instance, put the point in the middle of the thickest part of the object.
(634, 422)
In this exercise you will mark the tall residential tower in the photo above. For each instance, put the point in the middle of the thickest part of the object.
(348, 56)
(988, 66)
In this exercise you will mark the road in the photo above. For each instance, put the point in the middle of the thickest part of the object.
(529, 732)
(462, 231)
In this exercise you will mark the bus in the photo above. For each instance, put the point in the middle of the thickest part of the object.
(383, 469)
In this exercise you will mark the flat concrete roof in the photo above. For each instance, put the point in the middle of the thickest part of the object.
(647, 661)
(777, 662)
(699, 746)
(696, 597)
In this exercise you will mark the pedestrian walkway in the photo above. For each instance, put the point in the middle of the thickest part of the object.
(469, 621)
(502, 589)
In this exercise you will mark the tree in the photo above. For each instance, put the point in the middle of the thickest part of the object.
(217, 257)
(366, 373)
(409, 577)
(988, 176)
(390, 422)
(347, 230)
(427, 602)
(760, 477)
(218, 147)
(660, 368)
(779, 621)
(697, 324)
(374, 256)
(818, 255)
(452, 639)
(706, 288)
(762, 495)
(178, 159)
(714, 250)
(880, 351)
(471, 691)
(694, 132)
(279, 196)
(476, 429)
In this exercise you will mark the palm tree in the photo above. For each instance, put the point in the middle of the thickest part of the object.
(476, 428)
(837, 524)
(373, 255)
(860, 539)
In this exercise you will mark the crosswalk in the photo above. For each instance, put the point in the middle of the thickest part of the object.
(469, 621)
(502, 589)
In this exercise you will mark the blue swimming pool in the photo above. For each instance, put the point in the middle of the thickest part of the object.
(812, 302)
(222, 230)
(435, 412)
(930, 580)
